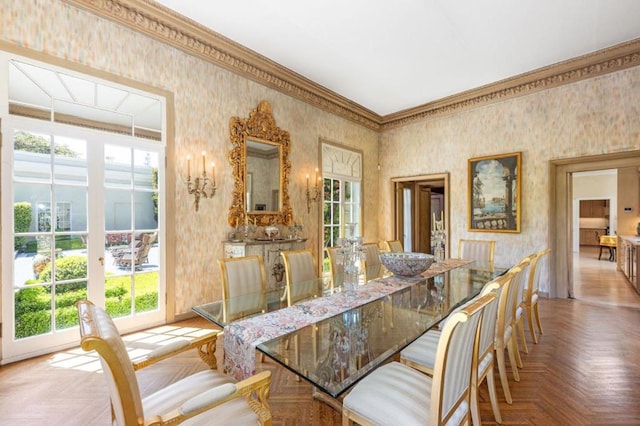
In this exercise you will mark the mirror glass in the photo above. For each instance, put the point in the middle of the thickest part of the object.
(260, 160)
(263, 176)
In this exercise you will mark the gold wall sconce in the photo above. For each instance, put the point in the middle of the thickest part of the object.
(201, 186)
(313, 194)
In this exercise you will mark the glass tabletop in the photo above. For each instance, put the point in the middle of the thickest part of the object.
(335, 353)
(223, 312)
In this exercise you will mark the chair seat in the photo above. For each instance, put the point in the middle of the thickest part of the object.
(423, 350)
(235, 412)
(400, 394)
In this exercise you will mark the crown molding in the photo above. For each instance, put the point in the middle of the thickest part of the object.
(616, 58)
(171, 28)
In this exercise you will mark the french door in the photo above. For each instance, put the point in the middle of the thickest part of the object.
(82, 214)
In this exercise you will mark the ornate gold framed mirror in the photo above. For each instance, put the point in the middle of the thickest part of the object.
(260, 161)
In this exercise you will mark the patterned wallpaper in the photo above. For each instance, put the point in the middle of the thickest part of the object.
(206, 97)
(589, 117)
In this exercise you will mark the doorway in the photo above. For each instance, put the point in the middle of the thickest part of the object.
(419, 201)
(561, 273)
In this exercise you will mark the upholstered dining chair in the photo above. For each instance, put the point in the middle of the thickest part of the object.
(530, 301)
(300, 273)
(506, 329)
(395, 246)
(523, 279)
(421, 353)
(372, 264)
(482, 251)
(246, 277)
(206, 397)
(396, 394)
(336, 268)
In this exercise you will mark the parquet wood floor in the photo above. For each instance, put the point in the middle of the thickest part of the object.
(584, 371)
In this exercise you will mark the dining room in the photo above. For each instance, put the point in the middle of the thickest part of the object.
(242, 156)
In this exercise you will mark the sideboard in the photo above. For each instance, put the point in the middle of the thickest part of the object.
(629, 260)
(270, 251)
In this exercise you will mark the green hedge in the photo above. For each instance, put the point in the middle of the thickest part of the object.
(33, 304)
(22, 222)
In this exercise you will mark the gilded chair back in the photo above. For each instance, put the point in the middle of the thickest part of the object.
(99, 333)
(246, 277)
(482, 251)
(537, 267)
(372, 264)
(514, 295)
(300, 273)
(457, 348)
(395, 246)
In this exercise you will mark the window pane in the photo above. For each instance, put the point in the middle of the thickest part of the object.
(66, 296)
(70, 160)
(347, 192)
(327, 189)
(146, 169)
(117, 210)
(32, 157)
(71, 208)
(117, 167)
(146, 210)
(146, 291)
(117, 293)
(336, 213)
(32, 311)
(336, 190)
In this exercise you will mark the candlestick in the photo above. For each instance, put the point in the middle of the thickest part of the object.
(189, 167)
(204, 167)
(213, 173)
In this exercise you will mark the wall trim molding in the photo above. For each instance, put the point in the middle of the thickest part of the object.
(165, 25)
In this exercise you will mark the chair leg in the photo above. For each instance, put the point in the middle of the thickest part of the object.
(537, 312)
(514, 354)
(520, 326)
(600, 254)
(531, 325)
(502, 369)
(493, 396)
(475, 404)
(513, 342)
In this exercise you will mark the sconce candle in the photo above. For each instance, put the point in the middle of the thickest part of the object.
(201, 186)
(314, 194)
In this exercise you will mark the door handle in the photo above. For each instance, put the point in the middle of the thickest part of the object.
(101, 260)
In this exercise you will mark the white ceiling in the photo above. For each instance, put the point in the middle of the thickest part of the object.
(390, 55)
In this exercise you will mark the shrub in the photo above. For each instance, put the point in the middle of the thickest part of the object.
(67, 268)
(22, 221)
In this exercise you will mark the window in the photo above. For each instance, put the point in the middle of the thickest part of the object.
(342, 189)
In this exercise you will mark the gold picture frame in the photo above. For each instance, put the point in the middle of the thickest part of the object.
(495, 192)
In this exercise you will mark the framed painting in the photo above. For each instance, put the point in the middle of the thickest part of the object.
(494, 193)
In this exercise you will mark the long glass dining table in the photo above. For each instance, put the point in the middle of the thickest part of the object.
(337, 336)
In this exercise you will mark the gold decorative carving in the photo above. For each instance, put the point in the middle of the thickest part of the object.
(163, 24)
(262, 126)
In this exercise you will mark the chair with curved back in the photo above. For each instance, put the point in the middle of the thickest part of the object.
(300, 273)
(244, 285)
(336, 268)
(530, 302)
(398, 394)
(206, 397)
(373, 267)
(421, 353)
(522, 281)
(395, 246)
(482, 251)
(506, 329)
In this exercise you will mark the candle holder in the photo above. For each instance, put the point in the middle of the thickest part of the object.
(351, 253)
(202, 186)
(439, 241)
(313, 194)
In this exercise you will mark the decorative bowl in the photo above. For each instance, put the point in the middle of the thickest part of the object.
(407, 264)
(271, 231)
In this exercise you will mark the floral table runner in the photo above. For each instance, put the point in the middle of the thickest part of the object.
(241, 337)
